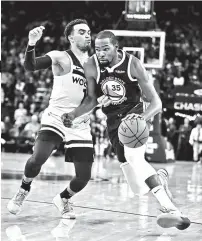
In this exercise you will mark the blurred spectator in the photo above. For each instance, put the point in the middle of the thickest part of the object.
(184, 150)
(2, 95)
(26, 138)
(178, 79)
(20, 115)
(194, 77)
(29, 90)
(151, 57)
(196, 141)
(100, 139)
(171, 134)
(98, 129)
(6, 126)
(33, 110)
(19, 87)
(164, 133)
(32, 127)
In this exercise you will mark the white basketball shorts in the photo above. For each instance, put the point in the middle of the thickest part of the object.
(77, 136)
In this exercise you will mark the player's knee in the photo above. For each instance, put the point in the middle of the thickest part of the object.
(77, 184)
(84, 182)
(85, 177)
(37, 159)
(133, 154)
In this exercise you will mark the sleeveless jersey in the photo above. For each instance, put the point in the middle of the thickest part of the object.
(68, 90)
(117, 83)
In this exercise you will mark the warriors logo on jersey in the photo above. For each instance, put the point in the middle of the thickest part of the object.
(117, 83)
(114, 88)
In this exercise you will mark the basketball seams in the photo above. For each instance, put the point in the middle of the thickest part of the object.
(140, 141)
(137, 139)
(142, 131)
(137, 143)
(137, 126)
(125, 135)
(129, 127)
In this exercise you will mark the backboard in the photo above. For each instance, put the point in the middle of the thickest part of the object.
(148, 46)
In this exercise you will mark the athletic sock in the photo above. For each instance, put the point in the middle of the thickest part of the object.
(143, 170)
(153, 182)
(162, 197)
(26, 185)
(67, 194)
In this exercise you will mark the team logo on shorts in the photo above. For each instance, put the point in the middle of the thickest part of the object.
(114, 88)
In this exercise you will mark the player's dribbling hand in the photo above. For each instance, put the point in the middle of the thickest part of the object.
(104, 101)
(67, 119)
(35, 34)
(133, 116)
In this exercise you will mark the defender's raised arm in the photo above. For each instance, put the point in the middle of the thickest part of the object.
(32, 63)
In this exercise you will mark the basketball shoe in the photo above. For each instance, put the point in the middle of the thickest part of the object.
(173, 218)
(15, 204)
(65, 207)
(164, 176)
(170, 218)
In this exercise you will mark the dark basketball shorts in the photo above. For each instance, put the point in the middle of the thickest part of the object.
(79, 154)
(73, 153)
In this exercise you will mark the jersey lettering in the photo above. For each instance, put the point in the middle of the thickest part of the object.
(79, 81)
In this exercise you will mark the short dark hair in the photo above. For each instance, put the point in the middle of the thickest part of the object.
(70, 26)
(107, 34)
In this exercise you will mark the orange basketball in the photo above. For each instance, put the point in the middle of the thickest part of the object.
(133, 133)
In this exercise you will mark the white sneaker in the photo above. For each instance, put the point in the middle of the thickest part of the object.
(163, 176)
(15, 204)
(65, 208)
(173, 218)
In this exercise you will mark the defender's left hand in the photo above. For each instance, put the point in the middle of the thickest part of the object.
(67, 119)
(104, 100)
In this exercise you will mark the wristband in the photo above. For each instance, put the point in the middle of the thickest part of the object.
(32, 43)
(30, 48)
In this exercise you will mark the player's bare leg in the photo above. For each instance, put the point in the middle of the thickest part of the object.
(144, 172)
(62, 200)
(43, 148)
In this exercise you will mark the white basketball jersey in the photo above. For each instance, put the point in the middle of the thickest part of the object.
(68, 90)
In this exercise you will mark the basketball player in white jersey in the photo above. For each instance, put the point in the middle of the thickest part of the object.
(120, 80)
(69, 88)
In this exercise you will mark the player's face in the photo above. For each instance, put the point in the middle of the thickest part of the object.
(105, 51)
(82, 37)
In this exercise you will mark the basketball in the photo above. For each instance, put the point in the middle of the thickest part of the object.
(133, 133)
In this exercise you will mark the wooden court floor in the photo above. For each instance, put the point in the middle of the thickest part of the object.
(106, 210)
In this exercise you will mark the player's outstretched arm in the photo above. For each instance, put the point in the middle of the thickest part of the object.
(155, 105)
(90, 100)
(32, 63)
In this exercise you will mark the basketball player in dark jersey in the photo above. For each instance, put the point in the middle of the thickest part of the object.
(120, 80)
(69, 86)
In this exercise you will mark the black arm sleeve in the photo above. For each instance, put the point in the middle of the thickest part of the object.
(32, 63)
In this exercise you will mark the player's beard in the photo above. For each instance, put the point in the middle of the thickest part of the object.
(84, 48)
(105, 64)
